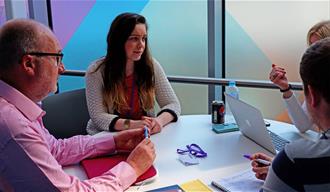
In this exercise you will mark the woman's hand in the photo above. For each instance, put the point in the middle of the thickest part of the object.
(260, 170)
(140, 124)
(155, 126)
(277, 76)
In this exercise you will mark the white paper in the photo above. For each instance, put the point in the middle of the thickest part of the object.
(243, 181)
(188, 159)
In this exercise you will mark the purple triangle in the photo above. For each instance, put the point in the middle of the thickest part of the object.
(67, 16)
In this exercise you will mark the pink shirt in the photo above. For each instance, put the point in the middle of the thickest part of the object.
(23, 118)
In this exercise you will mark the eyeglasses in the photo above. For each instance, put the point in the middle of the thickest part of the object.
(194, 150)
(59, 56)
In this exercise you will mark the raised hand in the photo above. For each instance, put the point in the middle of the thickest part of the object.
(277, 76)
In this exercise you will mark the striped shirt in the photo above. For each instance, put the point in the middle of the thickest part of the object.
(303, 165)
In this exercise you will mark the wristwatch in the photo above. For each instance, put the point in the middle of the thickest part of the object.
(127, 123)
(287, 89)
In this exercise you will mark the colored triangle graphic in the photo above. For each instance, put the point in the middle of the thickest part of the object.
(67, 16)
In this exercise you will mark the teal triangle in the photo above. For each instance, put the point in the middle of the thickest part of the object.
(244, 59)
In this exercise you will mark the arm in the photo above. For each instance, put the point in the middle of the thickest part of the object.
(73, 150)
(298, 116)
(165, 96)
(98, 111)
(167, 100)
(117, 179)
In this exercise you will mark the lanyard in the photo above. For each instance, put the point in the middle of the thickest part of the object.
(193, 149)
(131, 102)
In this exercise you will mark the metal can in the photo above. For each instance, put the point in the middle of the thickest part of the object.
(218, 112)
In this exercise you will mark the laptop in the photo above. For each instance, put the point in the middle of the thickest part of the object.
(251, 124)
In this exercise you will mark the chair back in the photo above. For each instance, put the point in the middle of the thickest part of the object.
(66, 113)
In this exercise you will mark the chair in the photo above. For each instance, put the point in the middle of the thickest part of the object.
(66, 113)
(18, 172)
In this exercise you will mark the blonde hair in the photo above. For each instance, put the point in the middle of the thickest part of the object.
(320, 29)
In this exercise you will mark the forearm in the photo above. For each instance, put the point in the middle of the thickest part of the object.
(120, 124)
(165, 118)
(298, 116)
(75, 149)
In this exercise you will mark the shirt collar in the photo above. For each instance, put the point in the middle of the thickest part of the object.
(30, 109)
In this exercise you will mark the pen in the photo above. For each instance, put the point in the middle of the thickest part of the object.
(215, 184)
(146, 132)
(261, 161)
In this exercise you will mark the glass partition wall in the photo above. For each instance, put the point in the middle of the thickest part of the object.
(223, 39)
(259, 33)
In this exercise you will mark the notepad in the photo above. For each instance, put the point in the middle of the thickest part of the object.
(97, 166)
(243, 181)
(195, 185)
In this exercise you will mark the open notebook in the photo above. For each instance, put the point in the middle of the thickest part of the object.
(244, 181)
(97, 166)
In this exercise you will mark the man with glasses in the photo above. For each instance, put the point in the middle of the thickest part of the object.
(30, 64)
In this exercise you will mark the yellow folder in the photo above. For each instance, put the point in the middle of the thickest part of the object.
(194, 186)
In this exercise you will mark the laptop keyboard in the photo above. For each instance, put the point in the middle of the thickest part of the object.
(279, 142)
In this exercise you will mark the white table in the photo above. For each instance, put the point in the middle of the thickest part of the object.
(225, 151)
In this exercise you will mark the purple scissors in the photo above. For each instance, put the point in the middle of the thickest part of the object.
(194, 150)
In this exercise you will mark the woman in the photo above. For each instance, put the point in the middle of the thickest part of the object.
(298, 113)
(121, 87)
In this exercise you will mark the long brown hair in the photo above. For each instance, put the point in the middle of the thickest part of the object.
(115, 65)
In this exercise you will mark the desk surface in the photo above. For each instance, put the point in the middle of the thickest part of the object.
(224, 151)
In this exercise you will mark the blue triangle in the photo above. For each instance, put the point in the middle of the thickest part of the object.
(89, 41)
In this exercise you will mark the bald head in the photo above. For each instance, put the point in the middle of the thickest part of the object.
(18, 37)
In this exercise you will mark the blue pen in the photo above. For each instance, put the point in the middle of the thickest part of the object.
(261, 161)
(146, 132)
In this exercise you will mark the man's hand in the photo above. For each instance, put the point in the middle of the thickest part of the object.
(260, 170)
(127, 140)
(142, 157)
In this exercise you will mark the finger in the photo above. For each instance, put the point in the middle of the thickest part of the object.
(147, 122)
(146, 117)
(254, 164)
(278, 78)
(255, 155)
(279, 69)
(147, 141)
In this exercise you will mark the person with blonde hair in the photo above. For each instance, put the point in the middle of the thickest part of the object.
(303, 165)
(121, 87)
(298, 113)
